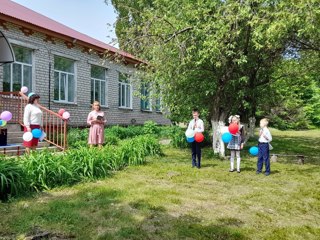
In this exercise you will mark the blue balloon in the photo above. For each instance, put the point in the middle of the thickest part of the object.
(30, 94)
(190, 140)
(254, 151)
(0, 122)
(226, 137)
(36, 133)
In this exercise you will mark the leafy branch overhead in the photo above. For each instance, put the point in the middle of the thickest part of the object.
(217, 55)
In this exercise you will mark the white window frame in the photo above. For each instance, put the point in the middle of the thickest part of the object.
(147, 99)
(120, 92)
(66, 86)
(101, 80)
(22, 67)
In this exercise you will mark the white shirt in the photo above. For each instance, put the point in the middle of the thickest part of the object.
(32, 115)
(196, 125)
(265, 135)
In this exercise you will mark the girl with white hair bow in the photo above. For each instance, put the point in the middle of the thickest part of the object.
(236, 143)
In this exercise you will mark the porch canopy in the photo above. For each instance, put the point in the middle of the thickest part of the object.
(6, 52)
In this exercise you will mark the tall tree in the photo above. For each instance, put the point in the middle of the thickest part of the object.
(214, 54)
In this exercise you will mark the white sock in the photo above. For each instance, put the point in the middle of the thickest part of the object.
(238, 164)
(231, 163)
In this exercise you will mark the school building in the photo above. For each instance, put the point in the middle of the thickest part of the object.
(69, 70)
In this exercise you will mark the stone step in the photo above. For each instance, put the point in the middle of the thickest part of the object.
(12, 127)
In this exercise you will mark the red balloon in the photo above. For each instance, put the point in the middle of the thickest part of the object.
(233, 128)
(61, 111)
(198, 137)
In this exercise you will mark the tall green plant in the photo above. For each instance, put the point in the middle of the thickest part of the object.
(13, 180)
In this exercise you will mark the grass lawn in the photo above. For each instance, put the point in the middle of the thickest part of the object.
(167, 199)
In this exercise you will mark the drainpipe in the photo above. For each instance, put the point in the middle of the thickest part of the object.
(49, 97)
(49, 76)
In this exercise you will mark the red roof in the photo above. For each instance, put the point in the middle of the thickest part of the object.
(19, 12)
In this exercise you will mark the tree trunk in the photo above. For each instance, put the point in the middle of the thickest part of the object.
(218, 128)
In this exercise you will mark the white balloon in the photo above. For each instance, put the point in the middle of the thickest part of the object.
(190, 133)
(27, 136)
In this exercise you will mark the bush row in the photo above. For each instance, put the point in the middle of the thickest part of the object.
(79, 137)
(44, 170)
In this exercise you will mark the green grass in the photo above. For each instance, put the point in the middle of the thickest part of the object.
(167, 199)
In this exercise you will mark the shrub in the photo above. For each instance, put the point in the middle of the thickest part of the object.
(124, 132)
(150, 127)
(77, 137)
(87, 163)
(12, 179)
(46, 170)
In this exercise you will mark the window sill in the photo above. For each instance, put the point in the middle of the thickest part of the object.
(125, 108)
(66, 103)
(146, 110)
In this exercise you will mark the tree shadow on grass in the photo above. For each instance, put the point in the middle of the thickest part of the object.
(102, 213)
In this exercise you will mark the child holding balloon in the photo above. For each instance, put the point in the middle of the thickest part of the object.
(32, 119)
(264, 143)
(196, 125)
(237, 141)
(96, 121)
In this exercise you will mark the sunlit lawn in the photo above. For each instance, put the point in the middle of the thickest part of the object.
(167, 199)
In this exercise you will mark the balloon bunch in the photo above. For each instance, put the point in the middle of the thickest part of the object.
(64, 114)
(194, 136)
(35, 133)
(232, 130)
(5, 117)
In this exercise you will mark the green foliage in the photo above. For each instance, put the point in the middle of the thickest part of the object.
(45, 170)
(292, 100)
(150, 127)
(77, 137)
(13, 180)
(217, 55)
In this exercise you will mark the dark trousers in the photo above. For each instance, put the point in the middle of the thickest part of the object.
(196, 153)
(263, 157)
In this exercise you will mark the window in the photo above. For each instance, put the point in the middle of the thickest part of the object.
(19, 73)
(64, 79)
(158, 104)
(98, 85)
(145, 97)
(125, 91)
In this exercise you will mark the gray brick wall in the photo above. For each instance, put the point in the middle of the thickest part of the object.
(43, 54)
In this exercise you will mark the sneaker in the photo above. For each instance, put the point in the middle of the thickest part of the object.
(238, 171)
(267, 174)
(231, 170)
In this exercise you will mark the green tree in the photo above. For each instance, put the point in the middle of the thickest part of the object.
(215, 54)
